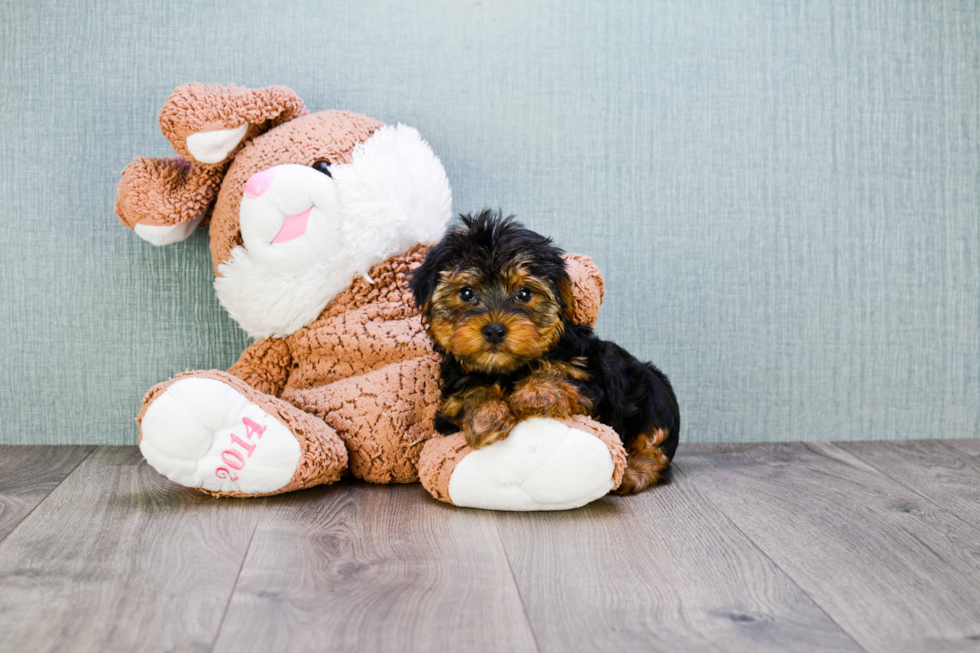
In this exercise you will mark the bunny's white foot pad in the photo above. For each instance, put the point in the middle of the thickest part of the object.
(542, 465)
(203, 433)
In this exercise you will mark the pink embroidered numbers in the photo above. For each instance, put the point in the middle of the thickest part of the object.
(233, 458)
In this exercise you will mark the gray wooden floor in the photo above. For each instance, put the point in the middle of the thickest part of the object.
(829, 547)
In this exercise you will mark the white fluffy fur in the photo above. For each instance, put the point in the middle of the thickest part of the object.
(393, 195)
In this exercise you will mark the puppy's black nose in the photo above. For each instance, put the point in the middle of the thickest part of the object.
(495, 332)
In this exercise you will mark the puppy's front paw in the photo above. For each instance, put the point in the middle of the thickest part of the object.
(547, 395)
(488, 422)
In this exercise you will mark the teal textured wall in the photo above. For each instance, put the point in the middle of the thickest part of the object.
(784, 196)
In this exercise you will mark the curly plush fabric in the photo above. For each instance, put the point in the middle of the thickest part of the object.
(364, 328)
(265, 366)
(586, 287)
(438, 461)
(196, 108)
(164, 192)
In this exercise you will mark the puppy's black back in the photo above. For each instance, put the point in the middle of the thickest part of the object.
(628, 395)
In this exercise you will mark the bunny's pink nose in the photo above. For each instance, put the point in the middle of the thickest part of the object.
(259, 183)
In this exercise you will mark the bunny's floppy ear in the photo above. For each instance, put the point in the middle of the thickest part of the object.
(207, 122)
(164, 200)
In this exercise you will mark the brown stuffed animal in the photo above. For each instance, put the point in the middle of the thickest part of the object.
(316, 221)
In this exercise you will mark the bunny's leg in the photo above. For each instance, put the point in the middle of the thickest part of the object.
(384, 416)
(212, 431)
(544, 464)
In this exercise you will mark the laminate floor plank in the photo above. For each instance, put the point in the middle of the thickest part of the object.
(749, 548)
(359, 567)
(118, 558)
(28, 474)
(896, 571)
(933, 468)
(660, 571)
(969, 446)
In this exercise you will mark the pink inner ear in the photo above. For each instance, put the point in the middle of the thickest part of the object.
(293, 227)
(259, 183)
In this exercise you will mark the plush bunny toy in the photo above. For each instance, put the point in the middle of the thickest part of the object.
(315, 223)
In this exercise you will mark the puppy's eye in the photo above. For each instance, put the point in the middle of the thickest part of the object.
(322, 166)
(466, 294)
(524, 294)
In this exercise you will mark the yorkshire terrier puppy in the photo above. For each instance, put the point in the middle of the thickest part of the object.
(497, 302)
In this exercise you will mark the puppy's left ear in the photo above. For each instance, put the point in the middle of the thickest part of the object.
(567, 299)
(425, 278)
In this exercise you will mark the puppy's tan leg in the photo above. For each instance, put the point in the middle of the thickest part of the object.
(645, 462)
(482, 413)
(548, 393)
(488, 422)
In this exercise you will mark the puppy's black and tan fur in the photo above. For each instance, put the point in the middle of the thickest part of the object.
(497, 301)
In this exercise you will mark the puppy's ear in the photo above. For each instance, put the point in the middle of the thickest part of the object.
(425, 278)
(567, 299)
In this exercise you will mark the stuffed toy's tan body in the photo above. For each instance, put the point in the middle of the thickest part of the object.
(316, 222)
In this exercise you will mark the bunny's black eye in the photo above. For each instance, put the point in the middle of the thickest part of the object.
(322, 166)
(466, 294)
(524, 294)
